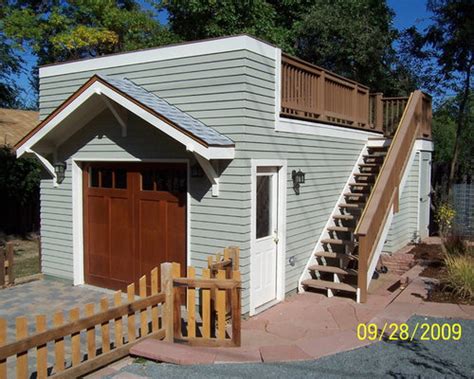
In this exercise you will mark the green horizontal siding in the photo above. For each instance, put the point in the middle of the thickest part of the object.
(404, 228)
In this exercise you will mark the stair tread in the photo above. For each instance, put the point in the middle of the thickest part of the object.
(330, 254)
(348, 194)
(382, 148)
(369, 165)
(316, 283)
(351, 205)
(364, 174)
(332, 270)
(335, 241)
(360, 184)
(340, 229)
(343, 217)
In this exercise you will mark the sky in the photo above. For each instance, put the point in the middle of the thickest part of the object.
(407, 13)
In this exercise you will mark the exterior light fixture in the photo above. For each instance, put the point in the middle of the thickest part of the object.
(60, 171)
(196, 171)
(298, 179)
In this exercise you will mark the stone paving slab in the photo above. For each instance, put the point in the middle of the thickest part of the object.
(283, 353)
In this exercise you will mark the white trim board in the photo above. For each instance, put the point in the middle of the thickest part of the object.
(281, 246)
(184, 50)
(78, 212)
(319, 129)
(99, 89)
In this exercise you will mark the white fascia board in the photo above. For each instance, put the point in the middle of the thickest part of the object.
(162, 53)
(99, 88)
(323, 130)
(57, 119)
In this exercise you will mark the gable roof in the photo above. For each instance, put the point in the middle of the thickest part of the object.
(166, 117)
(170, 112)
(15, 124)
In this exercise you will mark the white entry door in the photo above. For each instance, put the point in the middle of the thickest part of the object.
(266, 236)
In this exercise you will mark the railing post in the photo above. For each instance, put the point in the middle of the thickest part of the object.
(355, 108)
(11, 275)
(321, 95)
(378, 112)
(2, 267)
(166, 270)
(363, 268)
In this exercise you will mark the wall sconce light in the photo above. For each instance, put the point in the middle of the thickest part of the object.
(298, 178)
(60, 171)
(196, 171)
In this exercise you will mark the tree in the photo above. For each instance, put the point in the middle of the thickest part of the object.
(58, 31)
(449, 43)
(63, 30)
(350, 37)
(10, 64)
(201, 19)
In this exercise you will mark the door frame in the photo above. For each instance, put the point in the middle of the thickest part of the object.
(78, 210)
(281, 166)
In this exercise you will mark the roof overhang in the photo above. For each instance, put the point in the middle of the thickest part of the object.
(50, 128)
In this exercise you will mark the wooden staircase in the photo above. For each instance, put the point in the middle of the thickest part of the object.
(337, 261)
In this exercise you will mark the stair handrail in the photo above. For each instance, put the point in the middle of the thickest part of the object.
(385, 193)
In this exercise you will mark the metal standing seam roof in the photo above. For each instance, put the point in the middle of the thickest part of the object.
(193, 126)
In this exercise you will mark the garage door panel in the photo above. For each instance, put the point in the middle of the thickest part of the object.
(176, 232)
(131, 229)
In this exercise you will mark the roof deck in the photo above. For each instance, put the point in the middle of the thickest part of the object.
(311, 93)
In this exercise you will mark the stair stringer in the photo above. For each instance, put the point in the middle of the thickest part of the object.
(324, 234)
(388, 222)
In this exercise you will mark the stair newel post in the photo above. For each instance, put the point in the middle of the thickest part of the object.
(363, 268)
(166, 270)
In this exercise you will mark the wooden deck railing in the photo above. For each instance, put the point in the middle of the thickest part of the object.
(110, 331)
(415, 121)
(7, 276)
(312, 93)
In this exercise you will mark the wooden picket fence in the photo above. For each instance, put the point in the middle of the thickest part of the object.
(109, 331)
(7, 276)
(219, 292)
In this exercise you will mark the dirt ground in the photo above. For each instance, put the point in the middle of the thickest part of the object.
(26, 254)
(431, 257)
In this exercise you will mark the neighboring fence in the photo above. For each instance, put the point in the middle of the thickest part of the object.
(464, 205)
(7, 276)
(312, 93)
(112, 331)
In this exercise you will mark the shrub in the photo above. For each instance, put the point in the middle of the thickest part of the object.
(459, 277)
(455, 245)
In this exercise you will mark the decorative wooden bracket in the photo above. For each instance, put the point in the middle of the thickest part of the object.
(120, 114)
(210, 173)
(46, 164)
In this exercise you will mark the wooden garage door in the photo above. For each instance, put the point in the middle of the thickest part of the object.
(134, 219)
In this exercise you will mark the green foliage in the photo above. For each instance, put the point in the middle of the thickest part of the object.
(200, 19)
(10, 64)
(19, 178)
(351, 37)
(459, 278)
(444, 136)
(67, 30)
